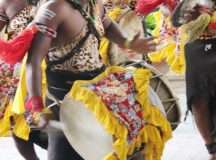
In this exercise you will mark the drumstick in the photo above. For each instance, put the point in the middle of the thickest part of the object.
(54, 126)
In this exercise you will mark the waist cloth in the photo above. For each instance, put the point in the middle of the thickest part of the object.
(60, 82)
(200, 58)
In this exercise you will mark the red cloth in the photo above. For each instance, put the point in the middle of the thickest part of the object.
(14, 50)
(144, 7)
(171, 4)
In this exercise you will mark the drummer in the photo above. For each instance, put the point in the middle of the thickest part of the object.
(16, 15)
(200, 69)
(72, 31)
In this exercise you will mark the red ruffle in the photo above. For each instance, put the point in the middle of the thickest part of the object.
(14, 50)
(144, 7)
(171, 4)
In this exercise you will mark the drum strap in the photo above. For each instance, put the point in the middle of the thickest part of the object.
(55, 100)
(76, 49)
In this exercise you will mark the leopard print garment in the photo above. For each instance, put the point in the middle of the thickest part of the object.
(20, 21)
(8, 76)
(109, 4)
(87, 59)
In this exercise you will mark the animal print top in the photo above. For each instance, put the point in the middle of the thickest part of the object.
(109, 4)
(8, 76)
(87, 59)
(20, 21)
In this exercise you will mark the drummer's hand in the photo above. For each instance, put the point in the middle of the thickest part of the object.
(129, 53)
(37, 119)
(143, 45)
(43, 121)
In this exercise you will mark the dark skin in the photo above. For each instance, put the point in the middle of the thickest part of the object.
(69, 23)
(11, 8)
(201, 110)
(200, 107)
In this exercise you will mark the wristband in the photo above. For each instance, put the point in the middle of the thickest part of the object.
(127, 44)
(34, 104)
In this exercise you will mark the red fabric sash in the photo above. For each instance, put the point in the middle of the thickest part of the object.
(144, 7)
(14, 50)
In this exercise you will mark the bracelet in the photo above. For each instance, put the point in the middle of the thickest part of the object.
(34, 104)
(127, 44)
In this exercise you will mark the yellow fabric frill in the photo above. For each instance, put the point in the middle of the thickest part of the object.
(114, 14)
(16, 108)
(154, 134)
(175, 59)
(5, 122)
(189, 32)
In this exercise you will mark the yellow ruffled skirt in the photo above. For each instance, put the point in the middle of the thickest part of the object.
(154, 134)
(16, 108)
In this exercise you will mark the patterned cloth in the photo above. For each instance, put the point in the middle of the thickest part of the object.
(20, 21)
(8, 83)
(8, 77)
(118, 93)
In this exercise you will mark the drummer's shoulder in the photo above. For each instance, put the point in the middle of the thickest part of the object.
(57, 6)
(6, 3)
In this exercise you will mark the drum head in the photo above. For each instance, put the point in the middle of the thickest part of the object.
(84, 132)
(130, 25)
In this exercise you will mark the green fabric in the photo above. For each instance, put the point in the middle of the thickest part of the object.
(150, 22)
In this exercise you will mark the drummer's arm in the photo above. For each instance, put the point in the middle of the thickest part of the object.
(114, 34)
(40, 46)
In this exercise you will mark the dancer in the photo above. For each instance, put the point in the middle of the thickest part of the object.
(15, 16)
(70, 40)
